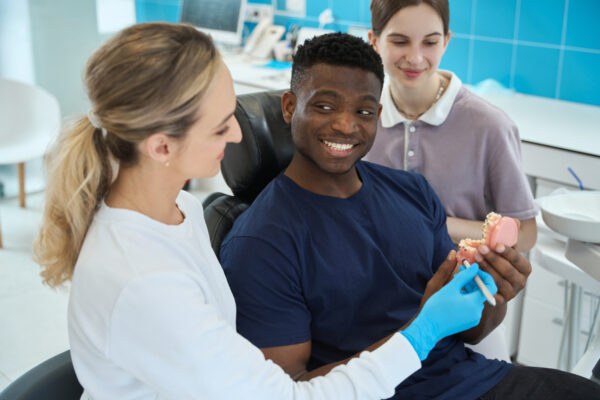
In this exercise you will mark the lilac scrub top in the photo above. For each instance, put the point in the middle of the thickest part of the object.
(468, 149)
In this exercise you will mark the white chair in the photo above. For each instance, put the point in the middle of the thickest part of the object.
(29, 120)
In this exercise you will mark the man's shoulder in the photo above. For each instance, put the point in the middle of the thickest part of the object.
(269, 212)
(402, 187)
(382, 175)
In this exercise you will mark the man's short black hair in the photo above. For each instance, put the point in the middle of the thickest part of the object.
(335, 49)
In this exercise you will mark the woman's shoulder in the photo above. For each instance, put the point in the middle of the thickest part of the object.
(480, 111)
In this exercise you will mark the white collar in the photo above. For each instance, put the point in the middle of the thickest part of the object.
(436, 114)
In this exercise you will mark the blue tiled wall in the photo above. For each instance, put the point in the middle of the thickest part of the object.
(546, 48)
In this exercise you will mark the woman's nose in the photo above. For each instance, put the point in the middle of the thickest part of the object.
(414, 55)
(236, 133)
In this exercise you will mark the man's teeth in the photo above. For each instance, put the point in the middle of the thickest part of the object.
(338, 146)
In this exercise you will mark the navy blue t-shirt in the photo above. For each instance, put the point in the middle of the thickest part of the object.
(344, 273)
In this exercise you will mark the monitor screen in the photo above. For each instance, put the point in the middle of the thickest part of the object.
(222, 19)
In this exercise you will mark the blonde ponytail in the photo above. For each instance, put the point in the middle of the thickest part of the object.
(79, 174)
(148, 78)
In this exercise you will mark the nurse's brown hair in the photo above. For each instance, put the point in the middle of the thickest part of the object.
(383, 10)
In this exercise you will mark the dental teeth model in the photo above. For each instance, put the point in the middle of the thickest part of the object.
(496, 230)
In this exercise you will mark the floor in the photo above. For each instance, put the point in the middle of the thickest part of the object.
(33, 324)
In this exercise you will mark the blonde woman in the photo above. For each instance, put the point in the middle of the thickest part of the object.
(150, 314)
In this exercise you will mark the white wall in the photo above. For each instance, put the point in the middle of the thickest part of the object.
(64, 34)
(16, 54)
(48, 43)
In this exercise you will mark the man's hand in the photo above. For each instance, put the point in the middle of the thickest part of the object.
(508, 268)
(510, 271)
(442, 276)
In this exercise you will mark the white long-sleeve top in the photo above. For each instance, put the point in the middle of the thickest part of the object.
(151, 317)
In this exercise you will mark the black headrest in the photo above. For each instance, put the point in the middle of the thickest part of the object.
(266, 147)
(220, 212)
(53, 379)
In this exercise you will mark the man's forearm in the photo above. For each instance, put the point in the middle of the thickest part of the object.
(294, 358)
(324, 370)
(490, 319)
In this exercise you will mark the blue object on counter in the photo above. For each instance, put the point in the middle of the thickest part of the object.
(576, 178)
(274, 64)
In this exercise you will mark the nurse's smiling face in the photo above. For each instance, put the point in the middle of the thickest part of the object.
(411, 45)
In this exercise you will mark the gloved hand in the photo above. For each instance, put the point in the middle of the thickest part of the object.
(456, 307)
(471, 286)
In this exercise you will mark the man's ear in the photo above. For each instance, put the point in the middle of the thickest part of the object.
(373, 40)
(379, 111)
(288, 105)
(159, 147)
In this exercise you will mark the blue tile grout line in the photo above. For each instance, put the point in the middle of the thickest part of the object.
(561, 56)
(513, 64)
(471, 43)
(492, 39)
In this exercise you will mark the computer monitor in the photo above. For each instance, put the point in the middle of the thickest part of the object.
(222, 19)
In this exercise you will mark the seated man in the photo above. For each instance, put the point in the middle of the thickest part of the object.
(335, 253)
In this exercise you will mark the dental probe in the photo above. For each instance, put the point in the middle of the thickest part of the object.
(486, 292)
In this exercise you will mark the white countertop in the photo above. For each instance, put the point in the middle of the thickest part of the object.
(556, 123)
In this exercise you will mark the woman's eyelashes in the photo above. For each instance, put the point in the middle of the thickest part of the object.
(222, 131)
(428, 43)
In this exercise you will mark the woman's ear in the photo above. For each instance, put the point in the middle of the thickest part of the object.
(373, 39)
(159, 147)
(288, 105)
(447, 39)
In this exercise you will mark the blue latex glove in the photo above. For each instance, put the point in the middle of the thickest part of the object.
(454, 308)
(471, 286)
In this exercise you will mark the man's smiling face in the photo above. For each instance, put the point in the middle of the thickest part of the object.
(333, 117)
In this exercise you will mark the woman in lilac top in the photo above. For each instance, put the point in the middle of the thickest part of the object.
(468, 150)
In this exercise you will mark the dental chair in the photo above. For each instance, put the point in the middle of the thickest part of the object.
(265, 150)
(53, 379)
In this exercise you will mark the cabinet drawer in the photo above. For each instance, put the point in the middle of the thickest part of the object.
(541, 331)
(545, 286)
